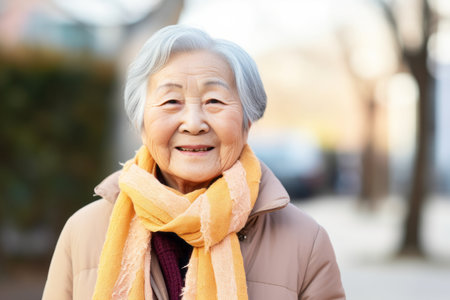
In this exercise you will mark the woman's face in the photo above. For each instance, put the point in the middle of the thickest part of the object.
(193, 119)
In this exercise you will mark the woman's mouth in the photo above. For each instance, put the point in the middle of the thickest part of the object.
(194, 148)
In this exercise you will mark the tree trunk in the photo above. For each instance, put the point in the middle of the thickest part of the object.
(421, 169)
(368, 192)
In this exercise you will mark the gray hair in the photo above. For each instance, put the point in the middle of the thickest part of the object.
(177, 38)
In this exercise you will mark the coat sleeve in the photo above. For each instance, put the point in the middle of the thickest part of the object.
(60, 276)
(322, 280)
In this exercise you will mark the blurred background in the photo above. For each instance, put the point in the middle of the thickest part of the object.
(355, 128)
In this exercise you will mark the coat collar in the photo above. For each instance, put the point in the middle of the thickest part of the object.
(272, 195)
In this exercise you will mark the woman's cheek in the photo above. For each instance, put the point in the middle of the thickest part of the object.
(231, 151)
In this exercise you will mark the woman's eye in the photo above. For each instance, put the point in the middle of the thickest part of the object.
(171, 101)
(214, 101)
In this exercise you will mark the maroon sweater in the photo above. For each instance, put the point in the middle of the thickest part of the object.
(173, 255)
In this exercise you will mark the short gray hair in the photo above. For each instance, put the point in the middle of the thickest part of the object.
(177, 38)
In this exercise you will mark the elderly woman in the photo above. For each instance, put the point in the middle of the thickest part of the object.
(194, 214)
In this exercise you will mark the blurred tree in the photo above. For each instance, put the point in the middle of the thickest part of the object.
(54, 116)
(374, 172)
(354, 44)
(414, 50)
(411, 24)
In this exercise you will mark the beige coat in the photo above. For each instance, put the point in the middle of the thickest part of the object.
(287, 255)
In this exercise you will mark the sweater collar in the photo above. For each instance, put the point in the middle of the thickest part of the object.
(272, 195)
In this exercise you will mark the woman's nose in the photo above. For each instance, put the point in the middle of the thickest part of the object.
(193, 120)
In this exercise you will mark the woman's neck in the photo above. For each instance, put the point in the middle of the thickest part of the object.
(180, 185)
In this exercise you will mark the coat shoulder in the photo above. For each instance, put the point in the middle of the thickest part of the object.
(295, 223)
(91, 213)
(87, 228)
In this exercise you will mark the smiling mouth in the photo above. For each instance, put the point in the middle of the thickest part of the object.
(194, 149)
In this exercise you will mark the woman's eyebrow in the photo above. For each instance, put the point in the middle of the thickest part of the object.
(217, 82)
(169, 85)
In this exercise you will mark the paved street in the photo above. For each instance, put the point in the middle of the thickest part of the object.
(366, 244)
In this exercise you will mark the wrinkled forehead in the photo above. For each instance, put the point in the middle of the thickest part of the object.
(204, 65)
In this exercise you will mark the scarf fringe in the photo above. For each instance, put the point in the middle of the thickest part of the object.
(136, 248)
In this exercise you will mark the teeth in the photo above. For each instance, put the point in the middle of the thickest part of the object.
(193, 150)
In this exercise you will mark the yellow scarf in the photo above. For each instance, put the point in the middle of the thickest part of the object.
(208, 219)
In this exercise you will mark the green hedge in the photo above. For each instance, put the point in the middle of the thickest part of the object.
(55, 115)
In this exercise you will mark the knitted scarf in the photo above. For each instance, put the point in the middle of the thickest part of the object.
(208, 219)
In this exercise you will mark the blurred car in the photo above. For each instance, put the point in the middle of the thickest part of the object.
(296, 159)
